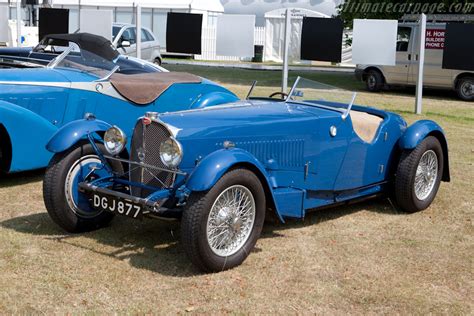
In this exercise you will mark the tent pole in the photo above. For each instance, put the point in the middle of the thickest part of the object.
(139, 31)
(286, 45)
(421, 64)
(18, 23)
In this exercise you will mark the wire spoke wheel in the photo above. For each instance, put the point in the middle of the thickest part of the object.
(231, 220)
(426, 175)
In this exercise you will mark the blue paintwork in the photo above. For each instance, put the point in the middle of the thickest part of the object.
(74, 131)
(36, 102)
(289, 147)
(81, 201)
(417, 132)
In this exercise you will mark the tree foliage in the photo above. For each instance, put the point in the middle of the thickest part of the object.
(395, 9)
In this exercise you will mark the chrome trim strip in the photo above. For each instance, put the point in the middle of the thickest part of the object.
(107, 88)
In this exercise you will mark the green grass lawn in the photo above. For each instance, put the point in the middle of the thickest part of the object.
(360, 259)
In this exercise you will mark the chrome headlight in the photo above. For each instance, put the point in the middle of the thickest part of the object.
(114, 140)
(171, 152)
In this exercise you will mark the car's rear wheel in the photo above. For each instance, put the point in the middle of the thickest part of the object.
(465, 88)
(221, 226)
(419, 175)
(67, 207)
(157, 61)
(374, 81)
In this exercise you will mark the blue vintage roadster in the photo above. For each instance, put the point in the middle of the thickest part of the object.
(220, 169)
(68, 76)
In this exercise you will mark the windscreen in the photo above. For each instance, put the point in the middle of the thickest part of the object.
(306, 91)
(72, 57)
(317, 93)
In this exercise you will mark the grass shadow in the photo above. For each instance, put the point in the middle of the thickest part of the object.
(151, 245)
(154, 245)
(317, 216)
(21, 178)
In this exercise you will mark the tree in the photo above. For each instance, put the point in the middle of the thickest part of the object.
(395, 9)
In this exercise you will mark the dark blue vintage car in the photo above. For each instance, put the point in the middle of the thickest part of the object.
(220, 169)
(68, 76)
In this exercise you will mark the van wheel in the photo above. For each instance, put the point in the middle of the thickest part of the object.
(374, 81)
(220, 227)
(465, 89)
(157, 61)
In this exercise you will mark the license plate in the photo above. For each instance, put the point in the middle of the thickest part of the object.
(116, 205)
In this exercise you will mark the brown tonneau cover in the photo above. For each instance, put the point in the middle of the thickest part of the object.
(146, 88)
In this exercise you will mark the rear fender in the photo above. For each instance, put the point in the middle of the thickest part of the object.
(74, 131)
(27, 132)
(215, 165)
(418, 131)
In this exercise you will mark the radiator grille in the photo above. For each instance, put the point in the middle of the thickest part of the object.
(146, 141)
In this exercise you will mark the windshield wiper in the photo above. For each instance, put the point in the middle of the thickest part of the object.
(254, 83)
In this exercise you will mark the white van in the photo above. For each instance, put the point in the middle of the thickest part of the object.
(405, 72)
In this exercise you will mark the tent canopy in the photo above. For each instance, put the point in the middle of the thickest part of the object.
(275, 33)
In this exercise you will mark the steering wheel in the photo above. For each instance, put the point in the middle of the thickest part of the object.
(282, 94)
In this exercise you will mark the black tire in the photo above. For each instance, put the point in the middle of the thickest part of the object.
(374, 81)
(157, 61)
(405, 195)
(195, 216)
(54, 192)
(465, 88)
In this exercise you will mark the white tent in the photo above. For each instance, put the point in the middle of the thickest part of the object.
(260, 7)
(275, 33)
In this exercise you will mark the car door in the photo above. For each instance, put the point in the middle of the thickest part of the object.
(399, 73)
(146, 46)
(371, 146)
(129, 34)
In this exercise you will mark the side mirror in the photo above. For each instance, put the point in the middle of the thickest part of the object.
(125, 44)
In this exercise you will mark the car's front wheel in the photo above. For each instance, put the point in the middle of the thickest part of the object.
(67, 207)
(419, 175)
(221, 226)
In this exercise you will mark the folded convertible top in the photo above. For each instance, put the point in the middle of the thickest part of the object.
(146, 88)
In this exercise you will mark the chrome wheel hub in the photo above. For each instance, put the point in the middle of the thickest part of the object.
(426, 175)
(231, 220)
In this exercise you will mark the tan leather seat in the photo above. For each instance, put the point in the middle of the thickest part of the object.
(365, 125)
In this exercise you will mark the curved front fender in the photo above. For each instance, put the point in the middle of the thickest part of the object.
(418, 131)
(74, 131)
(28, 132)
(213, 167)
